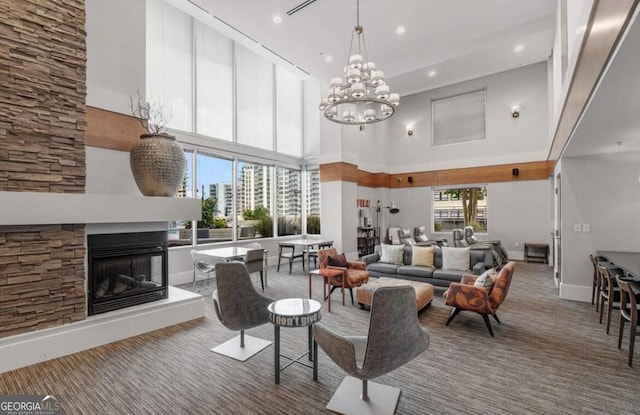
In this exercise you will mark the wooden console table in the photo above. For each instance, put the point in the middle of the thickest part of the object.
(536, 252)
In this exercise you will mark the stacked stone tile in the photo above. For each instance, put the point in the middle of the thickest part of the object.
(42, 126)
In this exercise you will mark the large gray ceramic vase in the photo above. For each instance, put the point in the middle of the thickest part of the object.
(158, 165)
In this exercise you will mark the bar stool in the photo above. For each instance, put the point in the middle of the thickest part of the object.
(628, 312)
(609, 292)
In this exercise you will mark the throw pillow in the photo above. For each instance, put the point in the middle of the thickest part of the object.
(337, 261)
(392, 254)
(486, 279)
(422, 255)
(455, 259)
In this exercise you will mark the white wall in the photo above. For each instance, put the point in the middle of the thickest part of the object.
(108, 172)
(508, 139)
(115, 52)
(602, 191)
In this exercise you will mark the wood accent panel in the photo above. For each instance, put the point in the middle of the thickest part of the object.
(368, 179)
(608, 21)
(339, 171)
(112, 130)
(535, 170)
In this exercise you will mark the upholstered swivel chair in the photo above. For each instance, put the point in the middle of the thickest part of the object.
(355, 272)
(469, 236)
(419, 234)
(203, 266)
(484, 301)
(458, 239)
(628, 313)
(255, 263)
(239, 307)
(394, 339)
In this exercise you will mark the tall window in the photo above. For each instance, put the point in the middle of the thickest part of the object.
(458, 207)
(312, 199)
(254, 196)
(289, 202)
(214, 71)
(289, 113)
(254, 99)
(169, 74)
(214, 189)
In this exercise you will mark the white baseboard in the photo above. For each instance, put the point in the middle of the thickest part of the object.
(575, 292)
(30, 348)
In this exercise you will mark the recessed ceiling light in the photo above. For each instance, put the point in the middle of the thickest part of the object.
(277, 19)
(518, 48)
(328, 58)
(431, 73)
(400, 30)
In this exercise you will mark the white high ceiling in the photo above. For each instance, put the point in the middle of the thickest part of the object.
(459, 39)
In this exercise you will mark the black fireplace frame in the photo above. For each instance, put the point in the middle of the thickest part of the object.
(102, 246)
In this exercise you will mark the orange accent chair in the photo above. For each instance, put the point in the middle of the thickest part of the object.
(484, 301)
(355, 272)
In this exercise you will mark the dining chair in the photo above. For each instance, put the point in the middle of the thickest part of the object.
(254, 261)
(203, 265)
(256, 245)
(609, 293)
(628, 313)
(288, 251)
(313, 253)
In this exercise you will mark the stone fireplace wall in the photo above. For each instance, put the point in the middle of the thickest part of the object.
(42, 99)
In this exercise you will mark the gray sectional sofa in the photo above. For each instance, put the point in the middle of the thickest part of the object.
(479, 260)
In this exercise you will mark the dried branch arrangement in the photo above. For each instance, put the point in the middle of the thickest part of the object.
(151, 114)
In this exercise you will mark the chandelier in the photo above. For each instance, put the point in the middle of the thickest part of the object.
(361, 96)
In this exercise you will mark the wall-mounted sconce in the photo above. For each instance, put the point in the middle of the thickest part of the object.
(399, 179)
(515, 111)
(409, 130)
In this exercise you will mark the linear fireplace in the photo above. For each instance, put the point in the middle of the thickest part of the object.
(126, 269)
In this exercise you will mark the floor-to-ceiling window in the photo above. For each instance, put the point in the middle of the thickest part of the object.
(230, 105)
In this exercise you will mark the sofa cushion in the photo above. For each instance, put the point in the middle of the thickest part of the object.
(392, 254)
(448, 275)
(415, 271)
(383, 268)
(455, 258)
(486, 279)
(422, 255)
(337, 261)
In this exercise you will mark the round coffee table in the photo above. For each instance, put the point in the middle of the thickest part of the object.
(294, 312)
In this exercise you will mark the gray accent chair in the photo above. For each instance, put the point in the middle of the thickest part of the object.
(239, 307)
(395, 338)
(458, 239)
(469, 235)
(419, 234)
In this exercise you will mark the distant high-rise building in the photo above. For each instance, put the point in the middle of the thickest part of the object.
(254, 186)
(312, 183)
(223, 193)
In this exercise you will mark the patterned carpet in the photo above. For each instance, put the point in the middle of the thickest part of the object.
(549, 356)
